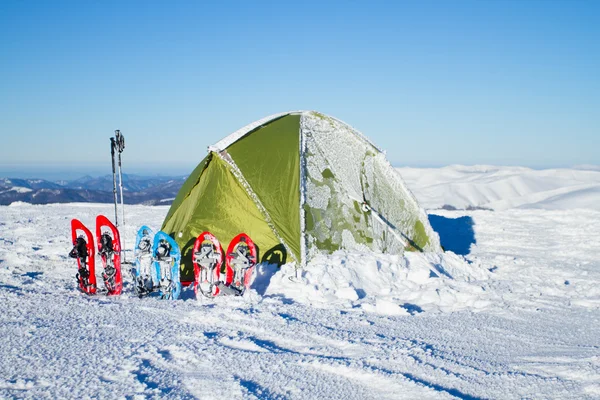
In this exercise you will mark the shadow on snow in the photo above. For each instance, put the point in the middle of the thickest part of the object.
(456, 234)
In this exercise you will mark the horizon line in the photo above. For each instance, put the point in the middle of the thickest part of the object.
(70, 172)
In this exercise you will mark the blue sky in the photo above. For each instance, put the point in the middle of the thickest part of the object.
(431, 82)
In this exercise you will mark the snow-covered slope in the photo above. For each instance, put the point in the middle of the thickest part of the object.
(513, 312)
(501, 188)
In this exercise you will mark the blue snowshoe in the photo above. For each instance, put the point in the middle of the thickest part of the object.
(145, 278)
(167, 257)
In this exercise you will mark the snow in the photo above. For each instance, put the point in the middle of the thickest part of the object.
(235, 136)
(343, 170)
(502, 188)
(19, 189)
(511, 310)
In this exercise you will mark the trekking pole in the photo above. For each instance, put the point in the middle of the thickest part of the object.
(120, 141)
(112, 153)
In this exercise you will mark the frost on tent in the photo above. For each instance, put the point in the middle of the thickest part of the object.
(344, 170)
(390, 196)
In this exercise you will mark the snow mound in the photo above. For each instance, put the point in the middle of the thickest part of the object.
(385, 284)
(18, 204)
(502, 188)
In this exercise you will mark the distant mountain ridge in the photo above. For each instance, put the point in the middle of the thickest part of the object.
(137, 190)
(451, 187)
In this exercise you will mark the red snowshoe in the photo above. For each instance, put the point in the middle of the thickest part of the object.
(83, 251)
(240, 261)
(208, 260)
(109, 249)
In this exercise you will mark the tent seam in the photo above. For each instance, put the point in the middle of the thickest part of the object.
(318, 148)
(240, 133)
(303, 244)
(169, 217)
(359, 134)
(223, 155)
(396, 175)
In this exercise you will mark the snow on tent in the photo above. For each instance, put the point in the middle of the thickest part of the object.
(299, 184)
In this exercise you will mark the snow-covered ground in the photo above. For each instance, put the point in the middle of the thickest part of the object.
(501, 188)
(510, 311)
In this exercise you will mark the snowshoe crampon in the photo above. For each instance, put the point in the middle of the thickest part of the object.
(240, 262)
(83, 251)
(167, 256)
(143, 271)
(207, 257)
(109, 249)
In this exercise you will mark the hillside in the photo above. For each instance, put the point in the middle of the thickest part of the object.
(137, 190)
(502, 188)
(460, 187)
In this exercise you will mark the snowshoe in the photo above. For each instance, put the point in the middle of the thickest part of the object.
(109, 249)
(143, 271)
(207, 258)
(240, 261)
(167, 256)
(83, 251)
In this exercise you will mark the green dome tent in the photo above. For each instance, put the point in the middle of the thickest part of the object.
(299, 184)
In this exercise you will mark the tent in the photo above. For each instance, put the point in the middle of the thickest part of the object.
(299, 184)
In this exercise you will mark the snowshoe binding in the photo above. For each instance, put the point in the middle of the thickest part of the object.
(109, 249)
(240, 261)
(207, 258)
(167, 256)
(83, 251)
(143, 272)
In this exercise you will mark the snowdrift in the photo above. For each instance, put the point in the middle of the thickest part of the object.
(502, 188)
(383, 284)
